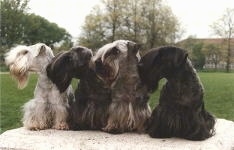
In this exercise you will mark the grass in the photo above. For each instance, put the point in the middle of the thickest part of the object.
(219, 97)
(12, 100)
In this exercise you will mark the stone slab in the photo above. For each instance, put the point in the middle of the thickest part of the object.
(23, 139)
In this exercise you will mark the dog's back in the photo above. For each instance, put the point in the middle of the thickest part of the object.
(181, 111)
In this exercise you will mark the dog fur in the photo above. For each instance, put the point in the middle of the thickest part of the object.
(92, 97)
(116, 64)
(181, 109)
(49, 107)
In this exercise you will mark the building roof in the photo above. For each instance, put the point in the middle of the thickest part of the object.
(207, 40)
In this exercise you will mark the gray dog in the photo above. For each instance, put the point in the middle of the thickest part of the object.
(49, 108)
(181, 111)
(116, 64)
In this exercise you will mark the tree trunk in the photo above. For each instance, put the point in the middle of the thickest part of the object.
(228, 55)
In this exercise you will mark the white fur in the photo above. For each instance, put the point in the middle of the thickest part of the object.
(49, 107)
(120, 44)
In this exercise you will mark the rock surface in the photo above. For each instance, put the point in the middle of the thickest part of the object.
(68, 140)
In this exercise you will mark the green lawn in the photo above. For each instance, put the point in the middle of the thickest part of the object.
(219, 97)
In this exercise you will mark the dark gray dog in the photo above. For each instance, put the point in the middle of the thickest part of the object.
(181, 111)
(92, 98)
(116, 64)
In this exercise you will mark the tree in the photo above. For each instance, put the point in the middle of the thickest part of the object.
(132, 22)
(149, 22)
(38, 29)
(213, 54)
(113, 16)
(160, 23)
(93, 33)
(20, 27)
(198, 58)
(224, 27)
(12, 26)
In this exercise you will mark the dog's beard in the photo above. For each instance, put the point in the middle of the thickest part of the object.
(109, 71)
(19, 70)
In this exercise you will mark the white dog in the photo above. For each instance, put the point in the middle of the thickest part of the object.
(49, 108)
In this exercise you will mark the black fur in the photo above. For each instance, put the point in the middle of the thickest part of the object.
(92, 98)
(67, 65)
(181, 111)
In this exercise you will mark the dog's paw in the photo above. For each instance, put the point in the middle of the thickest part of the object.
(112, 130)
(61, 126)
(35, 128)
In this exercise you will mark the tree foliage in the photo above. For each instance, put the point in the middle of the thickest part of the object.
(198, 58)
(93, 32)
(38, 29)
(213, 53)
(20, 27)
(12, 27)
(150, 22)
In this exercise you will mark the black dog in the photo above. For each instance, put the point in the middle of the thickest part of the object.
(67, 65)
(92, 98)
(181, 111)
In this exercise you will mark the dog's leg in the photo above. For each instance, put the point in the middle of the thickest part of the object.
(117, 118)
(60, 117)
(36, 115)
(142, 114)
(121, 118)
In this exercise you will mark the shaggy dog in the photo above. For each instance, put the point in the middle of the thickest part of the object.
(92, 97)
(181, 111)
(116, 64)
(49, 107)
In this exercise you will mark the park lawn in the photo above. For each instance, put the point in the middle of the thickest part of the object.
(219, 97)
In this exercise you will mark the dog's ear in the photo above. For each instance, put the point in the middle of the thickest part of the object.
(133, 48)
(156, 57)
(42, 50)
(45, 51)
(37, 49)
(114, 51)
(59, 71)
(83, 58)
(181, 58)
(149, 59)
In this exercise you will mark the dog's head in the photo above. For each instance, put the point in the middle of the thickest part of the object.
(109, 58)
(22, 59)
(66, 65)
(159, 63)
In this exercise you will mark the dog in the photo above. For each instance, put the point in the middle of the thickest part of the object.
(92, 96)
(181, 109)
(49, 108)
(116, 64)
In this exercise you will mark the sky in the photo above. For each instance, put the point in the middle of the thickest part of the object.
(195, 16)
